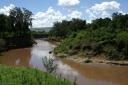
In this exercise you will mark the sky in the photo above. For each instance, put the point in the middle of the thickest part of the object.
(46, 12)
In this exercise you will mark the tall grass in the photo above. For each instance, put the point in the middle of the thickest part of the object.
(28, 76)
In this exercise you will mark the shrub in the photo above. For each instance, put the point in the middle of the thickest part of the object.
(2, 45)
(88, 61)
(122, 42)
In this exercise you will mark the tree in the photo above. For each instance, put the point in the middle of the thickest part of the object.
(119, 21)
(106, 36)
(14, 29)
(3, 25)
(20, 22)
(65, 28)
(122, 42)
(98, 23)
(77, 24)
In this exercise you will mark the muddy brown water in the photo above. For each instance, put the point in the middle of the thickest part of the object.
(85, 74)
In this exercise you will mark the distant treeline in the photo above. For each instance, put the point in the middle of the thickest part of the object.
(41, 29)
(14, 29)
(40, 34)
(65, 28)
(107, 37)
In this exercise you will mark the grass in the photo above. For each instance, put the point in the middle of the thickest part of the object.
(28, 76)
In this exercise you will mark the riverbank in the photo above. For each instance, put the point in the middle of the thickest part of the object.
(98, 60)
(28, 76)
(95, 60)
(88, 74)
(80, 57)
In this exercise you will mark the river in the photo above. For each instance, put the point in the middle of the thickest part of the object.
(85, 74)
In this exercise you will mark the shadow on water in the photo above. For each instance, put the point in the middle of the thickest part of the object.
(86, 74)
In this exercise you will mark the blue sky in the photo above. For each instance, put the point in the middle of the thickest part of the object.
(46, 12)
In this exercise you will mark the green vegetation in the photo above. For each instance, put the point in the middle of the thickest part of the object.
(108, 37)
(14, 29)
(63, 29)
(2, 45)
(27, 76)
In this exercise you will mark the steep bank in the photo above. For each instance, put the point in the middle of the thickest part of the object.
(99, 43)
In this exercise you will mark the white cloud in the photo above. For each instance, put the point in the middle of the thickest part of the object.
(120, 11)
(46, 19)
(68, 3)
(5, 10)
(75, 14)
(104, 9)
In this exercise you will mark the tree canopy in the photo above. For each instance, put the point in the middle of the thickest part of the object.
(108, 36)
(65, 28)
(14, 29)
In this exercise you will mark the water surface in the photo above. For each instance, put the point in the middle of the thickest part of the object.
(86, 74)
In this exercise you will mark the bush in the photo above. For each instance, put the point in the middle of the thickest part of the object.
(88, 61)
(122, 42)
(113, 54)
(88, 40)
(2, 45)
(102, 36)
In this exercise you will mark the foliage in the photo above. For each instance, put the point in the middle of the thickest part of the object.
(86, 40)
(119, 21)
(2, 44)
(28, 76)
(102, 36)
(98, 23)
(64, 28)
(122, 43)
(14, 29)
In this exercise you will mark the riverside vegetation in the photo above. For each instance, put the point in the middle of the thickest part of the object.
(28, 76)
(15, 33)
(108, 37)
(14, 29)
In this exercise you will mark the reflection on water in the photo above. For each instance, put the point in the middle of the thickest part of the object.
(42, 49)
(89, 74)
(117, 75)
(17, 61)
(16, 57)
